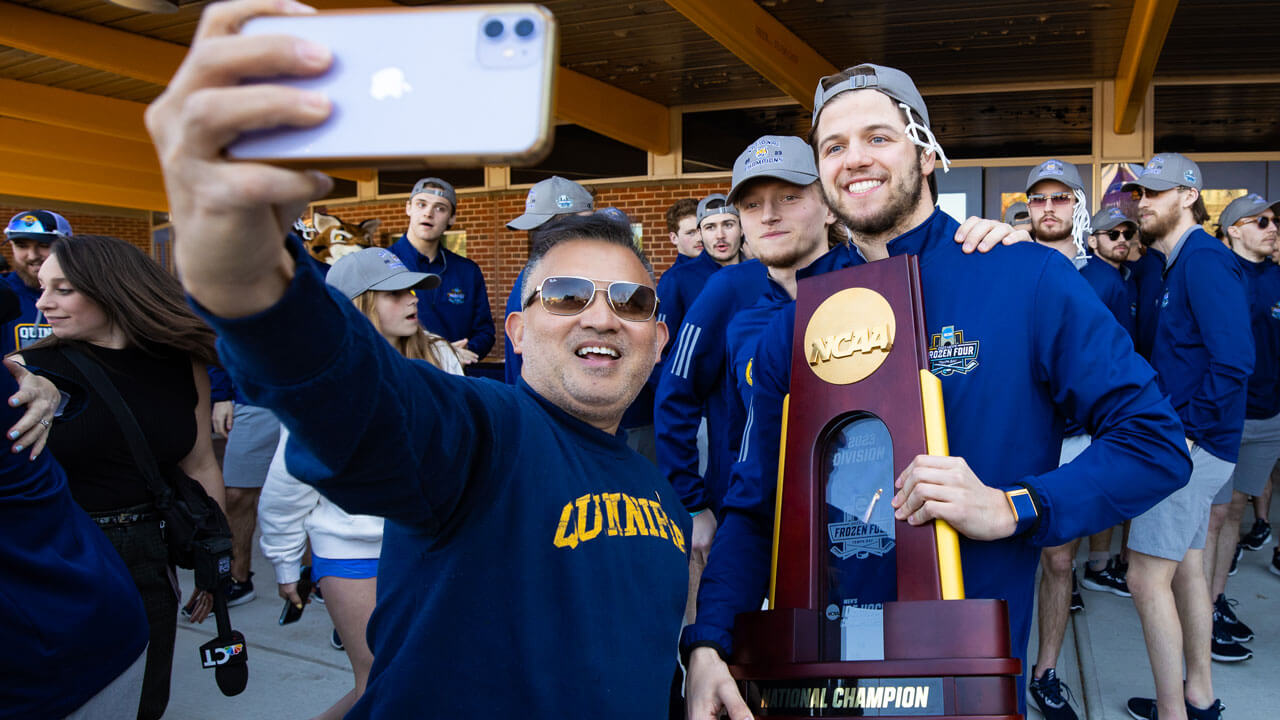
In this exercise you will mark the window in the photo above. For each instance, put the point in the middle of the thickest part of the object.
(580, 154)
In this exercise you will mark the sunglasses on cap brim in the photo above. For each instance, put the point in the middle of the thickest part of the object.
(570, 295)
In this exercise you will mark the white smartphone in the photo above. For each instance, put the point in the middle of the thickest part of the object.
(417, 86)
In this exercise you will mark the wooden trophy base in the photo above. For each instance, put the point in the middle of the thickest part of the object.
(943, 659)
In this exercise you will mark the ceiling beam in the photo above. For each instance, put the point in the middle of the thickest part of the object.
(45, 188)
(74, 110)
(759, 40)
(93, 46)
(57, 143)
(34, 165)
(1143, 41)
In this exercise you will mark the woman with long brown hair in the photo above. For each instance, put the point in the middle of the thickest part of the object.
(105, 298)
(344, 547)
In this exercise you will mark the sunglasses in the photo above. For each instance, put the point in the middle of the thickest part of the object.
(1115, 235)
(1040, 199)
(1263, 221)
(570, 295)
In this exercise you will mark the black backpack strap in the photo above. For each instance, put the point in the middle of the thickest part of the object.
(142, 454)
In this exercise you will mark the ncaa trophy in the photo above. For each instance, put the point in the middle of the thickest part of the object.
(867, 614)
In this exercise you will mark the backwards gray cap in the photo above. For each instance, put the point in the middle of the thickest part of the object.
(1016, 209)
(549, 198)
(892, 82)
(1245, 206)
(375, 269)
(1167, 171)
(441, 188)
(783, 157)
(714, 204)
(1107, 218)
(1054, 169)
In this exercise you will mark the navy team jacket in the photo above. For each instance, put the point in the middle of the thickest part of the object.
(693, 378)
(459, 307)
(1203, 347)
(557, 555)
(1264, 315)
(1033, 365)
(678, 287)
(1148, 282)
(1115, 288)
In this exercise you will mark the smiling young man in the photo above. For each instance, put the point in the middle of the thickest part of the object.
(30, 235)
(1203, 351)
(458, 310)
(522, 534)
(874, 152)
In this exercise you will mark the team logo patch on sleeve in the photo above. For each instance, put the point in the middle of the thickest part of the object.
(950, 353)
(752, 360)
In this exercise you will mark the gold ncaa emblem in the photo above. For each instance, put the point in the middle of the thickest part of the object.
(849, 336)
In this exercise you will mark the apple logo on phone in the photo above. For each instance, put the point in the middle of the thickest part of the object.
(389, 83)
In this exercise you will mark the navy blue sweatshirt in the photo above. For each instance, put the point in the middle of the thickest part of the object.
(1148, 282)
(1264, 316)
(1203, 347)
(24, 330)
(1115, 288)
(678, 287)
(511, 361)
(459, 307)
(1033, 365)
(71, 619)
(532, 565)
(694, 380)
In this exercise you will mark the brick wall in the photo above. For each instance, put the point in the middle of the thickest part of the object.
(501, 253)
(134, 230)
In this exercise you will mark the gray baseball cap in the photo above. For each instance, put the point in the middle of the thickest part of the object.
(549, 198)
(715, 204)
(376, 269)
(783, 157)
(1016, 209)
(1109, 217)
(442, 189)
(1245, 206)
(1053, 169)
(1167, 171)
(890, 81)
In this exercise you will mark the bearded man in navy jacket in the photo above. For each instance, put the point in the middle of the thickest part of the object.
(532, 564)
(1027, 312)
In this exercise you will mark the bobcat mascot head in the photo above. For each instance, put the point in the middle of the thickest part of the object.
(332, 238)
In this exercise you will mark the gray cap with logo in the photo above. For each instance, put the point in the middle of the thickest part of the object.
(1109, 217)
(1245, 206)
(890, 81)
(715, 204)
(1016, 213)
(1053, 169)
(376, 269)
(549, 198)
(783, 157)
(1167, 171)
(438, 187)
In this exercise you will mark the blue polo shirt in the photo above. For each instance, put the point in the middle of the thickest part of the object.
(1203, 346)
(1031, 365)
(1264, 317)
(459, 307)
(25, 330)
(693, 379)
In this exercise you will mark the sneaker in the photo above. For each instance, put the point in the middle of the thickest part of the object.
(1051, 696)
(1226, 650)
(1141, 708)
(1235, 559)
(239, 593)
(1213, 712)
(1224, 614)
(1077, 601)
(1257, 536)
(1106, 580)
(335, 640)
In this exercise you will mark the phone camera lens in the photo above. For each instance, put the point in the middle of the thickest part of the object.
(493, 29)
(524, 28)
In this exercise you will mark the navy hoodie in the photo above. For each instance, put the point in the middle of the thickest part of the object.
(693, 379)
(1203, 347)
(532, 565)
(459, 307)
(1264, 316)
(1032, 365)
